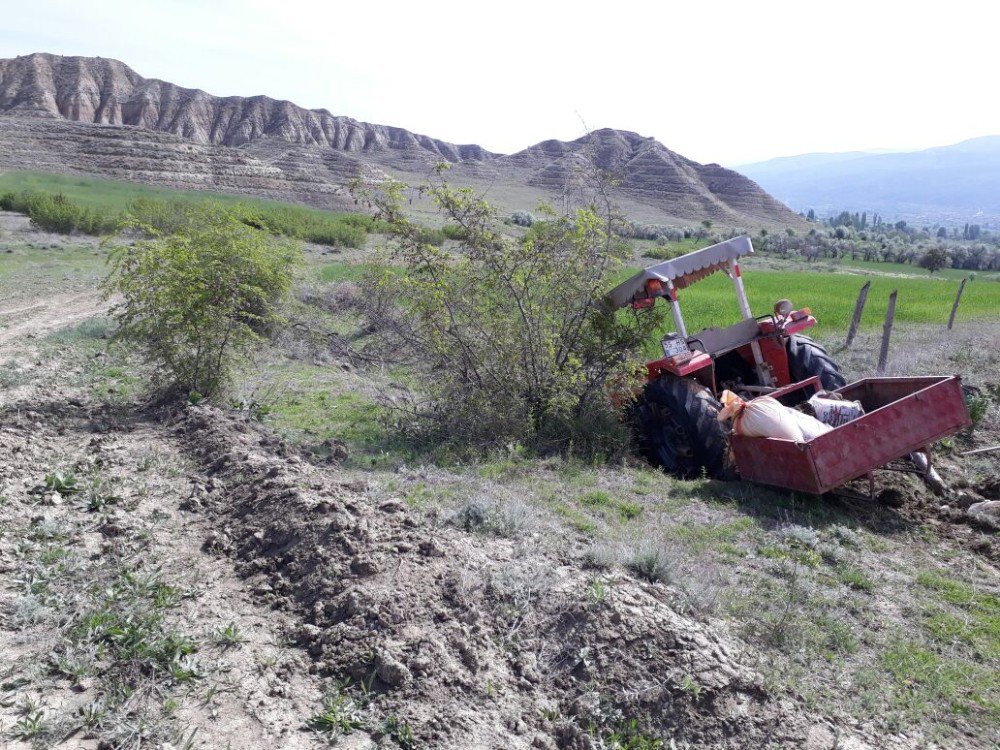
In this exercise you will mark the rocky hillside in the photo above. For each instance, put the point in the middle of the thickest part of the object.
(98, 116)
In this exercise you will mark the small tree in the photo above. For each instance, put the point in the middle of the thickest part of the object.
(196, 301)
(934, 259)
(512, 337)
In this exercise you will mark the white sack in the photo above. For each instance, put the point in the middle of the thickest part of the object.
(766, 417)
(810, 426)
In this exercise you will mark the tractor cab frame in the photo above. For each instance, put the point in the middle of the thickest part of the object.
(758, 342)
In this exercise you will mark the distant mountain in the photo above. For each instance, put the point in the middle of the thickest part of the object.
(98, 116)
(949, 184)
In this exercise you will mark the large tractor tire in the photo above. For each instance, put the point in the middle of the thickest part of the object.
(806, 358)
(678, 428)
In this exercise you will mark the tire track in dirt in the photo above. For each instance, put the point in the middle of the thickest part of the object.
(47, 315)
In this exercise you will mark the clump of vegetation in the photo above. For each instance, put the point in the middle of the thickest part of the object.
(168, 212)
(511, 337)
(340, 714)
(56, 213)
(312, 226)
(522, 218)
(935, 259)
(195, 302)
(320, 227)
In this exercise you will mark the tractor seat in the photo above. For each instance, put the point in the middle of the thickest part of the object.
(716, 341)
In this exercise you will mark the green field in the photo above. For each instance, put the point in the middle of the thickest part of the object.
(115, 195)
(96, 205)
(907, 269)
(831, 298)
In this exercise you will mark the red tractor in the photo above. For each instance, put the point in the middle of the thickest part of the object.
(676, 413)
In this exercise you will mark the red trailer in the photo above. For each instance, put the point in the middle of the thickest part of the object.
(902, 416)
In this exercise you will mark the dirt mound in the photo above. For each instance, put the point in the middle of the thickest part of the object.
(472, 641)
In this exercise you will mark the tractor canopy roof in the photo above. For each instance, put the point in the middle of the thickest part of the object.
(685, 270)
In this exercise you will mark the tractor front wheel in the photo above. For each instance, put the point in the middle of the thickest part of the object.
(807, 358)
(678, 428)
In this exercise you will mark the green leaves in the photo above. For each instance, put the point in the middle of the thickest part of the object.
(510, 332)
(199, 299)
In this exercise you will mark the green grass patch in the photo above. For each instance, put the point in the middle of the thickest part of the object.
(909, 269)
(856, 579)
(66, 203)
(925, 681)
(959, 593)
(802, 555)
(948, 629)
(576, 519)
(974, 619)
(330, 273)
(710, 536)
(310, 415)
(27, 267)
(604, 501)
(831, 297)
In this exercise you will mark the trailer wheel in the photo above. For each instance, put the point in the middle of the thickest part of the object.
(678, 429)
(806, 358)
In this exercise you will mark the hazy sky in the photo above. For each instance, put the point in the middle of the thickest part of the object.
(727, 82)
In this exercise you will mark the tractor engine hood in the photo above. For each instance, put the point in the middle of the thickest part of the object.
(683, 271)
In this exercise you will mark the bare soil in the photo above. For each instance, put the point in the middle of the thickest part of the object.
(319, 610)
(470, 642)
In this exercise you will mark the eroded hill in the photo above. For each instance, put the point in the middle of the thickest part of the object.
(98, 116)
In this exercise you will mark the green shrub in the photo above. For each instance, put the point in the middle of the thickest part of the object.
(196, 301)
(511, 337)
(307, 224)
(9, 202)
(157, 216)
(453, 232)
(54, 212)
(427, 236)
(336, 235)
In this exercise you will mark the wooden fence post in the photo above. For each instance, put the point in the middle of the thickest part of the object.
(890, 315)
(859, 308)
(954, 308)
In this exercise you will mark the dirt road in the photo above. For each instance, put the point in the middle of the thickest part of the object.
(31, 318)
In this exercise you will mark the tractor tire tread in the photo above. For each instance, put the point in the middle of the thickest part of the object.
(679, 429)
(807, 358)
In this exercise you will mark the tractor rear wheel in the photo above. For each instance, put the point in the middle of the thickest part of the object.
(806, 358)
(678, 428)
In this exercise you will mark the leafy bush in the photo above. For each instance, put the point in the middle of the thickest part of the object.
(196, 301)
(512, 337)
(935, 259)
(522, 218)
(11, 201)
(336, 235)
(56, 213)
(453, 232)
(310, 225)
(156, 216)
(427, 236)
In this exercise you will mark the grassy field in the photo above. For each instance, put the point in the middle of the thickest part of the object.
(831, 298)
(907, 269)
(104, 201)
(116, 195)
(826, 593)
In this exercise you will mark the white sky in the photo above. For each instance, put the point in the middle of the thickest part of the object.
(728, 82)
